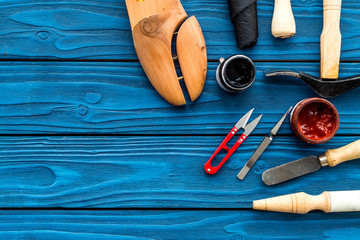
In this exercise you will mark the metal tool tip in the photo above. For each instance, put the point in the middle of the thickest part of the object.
(251, 126)
(278, 125)
(273, 73)
(240, 177)
(243, 121)
(242, 174)
(256, 120)
(289, 110)
(266, 180)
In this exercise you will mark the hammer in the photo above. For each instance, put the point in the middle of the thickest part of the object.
(329, 85)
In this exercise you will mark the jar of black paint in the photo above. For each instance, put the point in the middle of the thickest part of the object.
(235, 73)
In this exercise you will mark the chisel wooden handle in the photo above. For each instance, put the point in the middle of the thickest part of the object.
(343, 154)
(283, 22)
(345, 201)
(331, 40)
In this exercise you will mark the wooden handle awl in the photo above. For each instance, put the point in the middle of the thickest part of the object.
(283, 22)
(331, 40)
(343, 154)
(345, 201)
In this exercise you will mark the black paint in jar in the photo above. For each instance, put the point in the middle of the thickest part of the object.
(236, 73)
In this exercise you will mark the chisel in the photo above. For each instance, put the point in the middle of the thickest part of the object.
(340, 201)
(311, 164)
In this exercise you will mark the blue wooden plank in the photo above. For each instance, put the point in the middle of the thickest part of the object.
(148, 172)
(232, 225)
(116, 98)
(95, 29)
(153, 172)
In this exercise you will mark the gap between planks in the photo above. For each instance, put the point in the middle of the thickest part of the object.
(136, 60)
(130, 209)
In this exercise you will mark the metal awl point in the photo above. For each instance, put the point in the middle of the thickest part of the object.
(275, 130)
(262, 147)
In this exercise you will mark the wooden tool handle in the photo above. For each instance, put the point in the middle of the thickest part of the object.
(295, 203)
(283, 22)
(343, 154)
(345, 201)
(331, 40)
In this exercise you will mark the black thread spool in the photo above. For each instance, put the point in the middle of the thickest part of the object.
(236, 73)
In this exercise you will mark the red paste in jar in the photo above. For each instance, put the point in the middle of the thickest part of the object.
(317, 121)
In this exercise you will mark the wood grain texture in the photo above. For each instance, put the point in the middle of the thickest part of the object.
(152, 41)
(99, 29)
(140, 169)
(192, 56)
(346, 153)
(138, 10)
(330, 40)
(297, 203)
(153, 172)
(231, 225)
(117, 98)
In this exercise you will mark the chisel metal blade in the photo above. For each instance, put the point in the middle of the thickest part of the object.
(291, 170)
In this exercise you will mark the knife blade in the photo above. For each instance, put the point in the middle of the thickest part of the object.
(311, 164)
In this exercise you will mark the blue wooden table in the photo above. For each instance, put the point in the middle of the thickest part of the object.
(89, 150)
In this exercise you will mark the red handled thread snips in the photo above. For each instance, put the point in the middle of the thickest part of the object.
(241, 124)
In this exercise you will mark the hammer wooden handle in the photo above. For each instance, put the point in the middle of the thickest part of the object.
(331, 40)
(345, 201)
(283, 22)
(343, 154)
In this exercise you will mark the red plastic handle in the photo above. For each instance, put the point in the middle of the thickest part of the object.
(212, 170)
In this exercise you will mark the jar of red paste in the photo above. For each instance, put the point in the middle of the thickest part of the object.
(315, 120)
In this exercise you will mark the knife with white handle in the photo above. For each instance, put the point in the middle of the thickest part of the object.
(340, 201)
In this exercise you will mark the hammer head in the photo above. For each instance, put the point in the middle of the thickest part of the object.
(325, 88)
